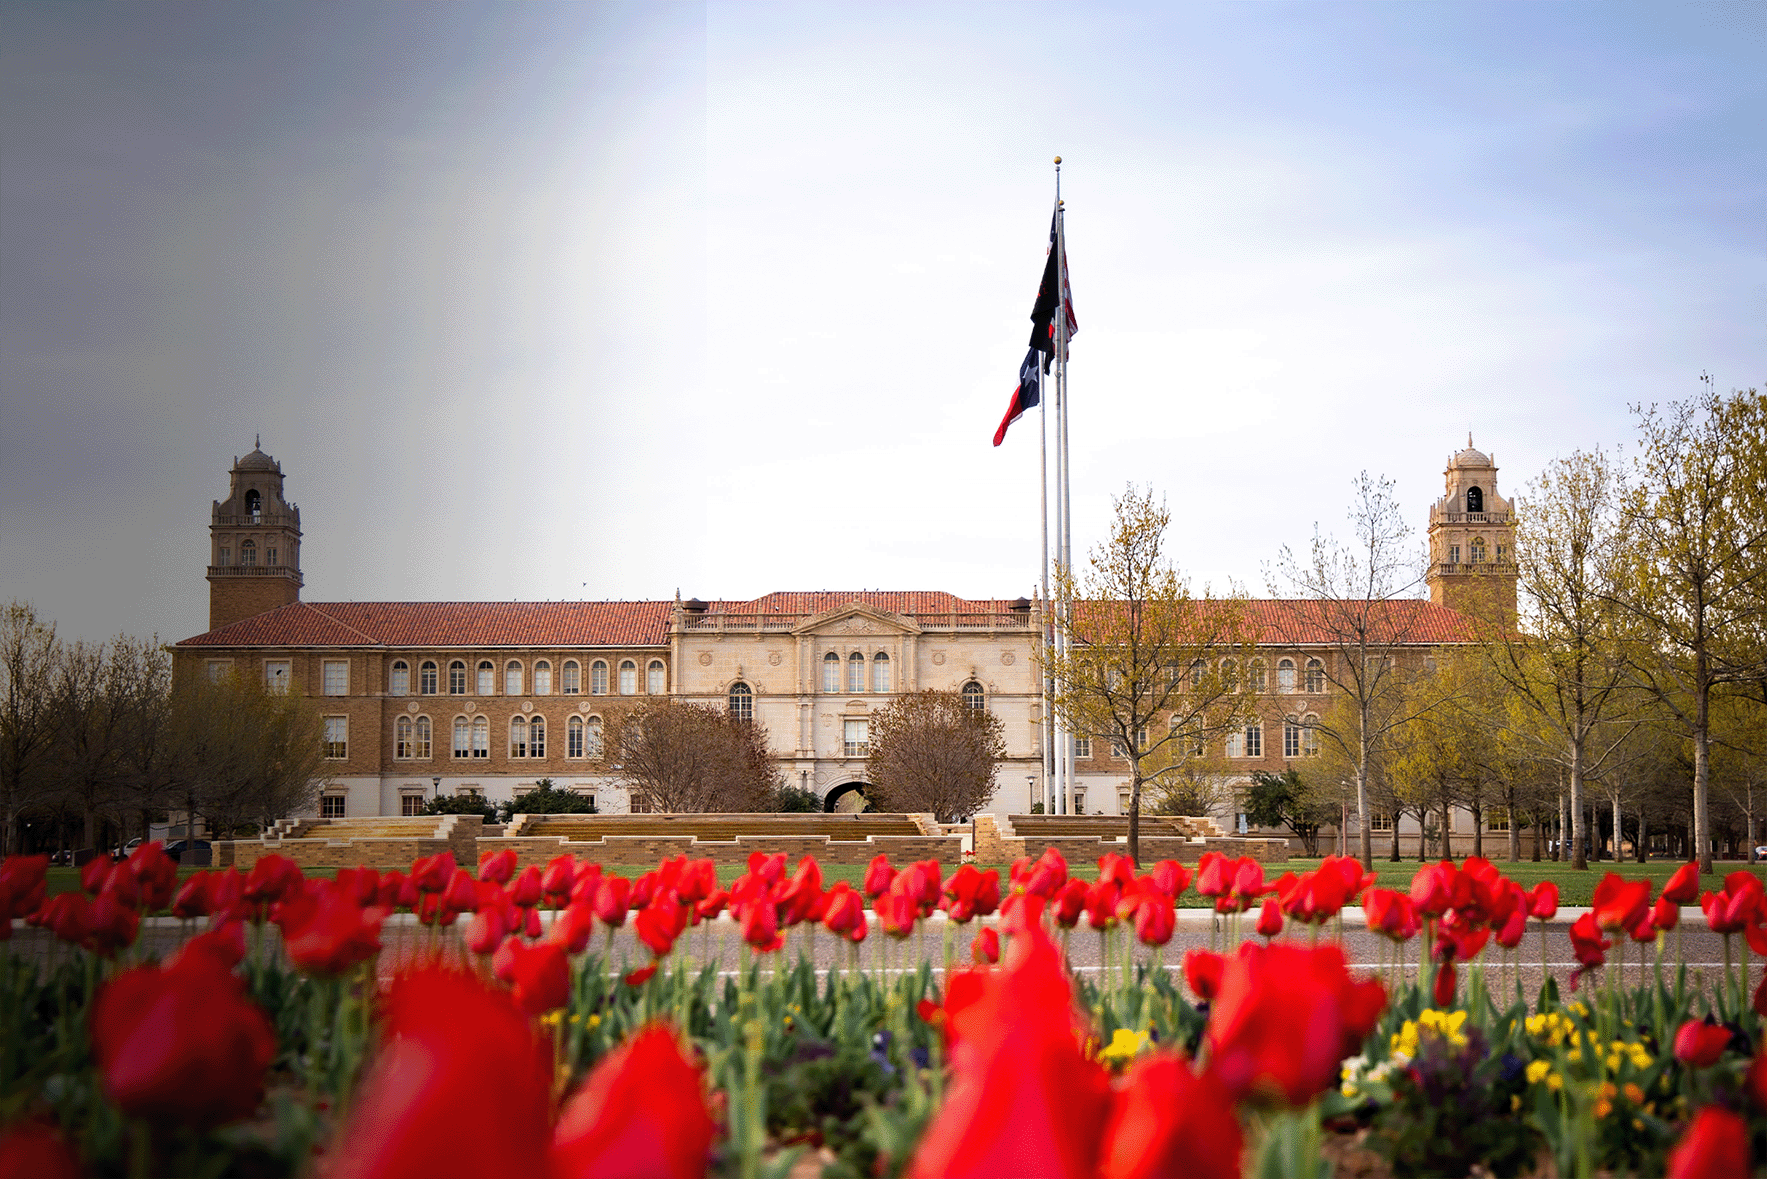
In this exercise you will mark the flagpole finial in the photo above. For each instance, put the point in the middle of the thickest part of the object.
(1058, 161)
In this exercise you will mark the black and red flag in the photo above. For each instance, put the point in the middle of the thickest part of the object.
(1055, 278)
(1028, 394)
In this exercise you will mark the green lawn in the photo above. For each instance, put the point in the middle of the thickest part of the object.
(1574, 888)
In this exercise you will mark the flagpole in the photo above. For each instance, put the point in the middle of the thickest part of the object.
(1063, 463)
(1045, 788)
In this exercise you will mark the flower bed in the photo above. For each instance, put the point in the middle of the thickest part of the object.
(270, 1043)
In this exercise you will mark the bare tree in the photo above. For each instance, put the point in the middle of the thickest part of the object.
(1143, 661)
(930, 752)
(28, 656)
(1697, 564)
(245, 755)
(1358, 600)
(693, 758)
(91, 732)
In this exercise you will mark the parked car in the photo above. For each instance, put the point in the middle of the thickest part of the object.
(1761, 852)
(121, 853)
(63, 857)
(176, 847)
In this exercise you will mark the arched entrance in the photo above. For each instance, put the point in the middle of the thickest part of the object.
(846, 799)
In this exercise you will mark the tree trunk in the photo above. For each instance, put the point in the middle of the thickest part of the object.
(1447, 832)
(1515, 834)
(1539, 832)
(1617, 831)
(1642, 845)
(1478, 819)
(1366, 839)
(1396, 856)
(1702, 766)
(1135, 811)
(1579, 859)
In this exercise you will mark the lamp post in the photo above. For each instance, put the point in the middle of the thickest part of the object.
(437, 783)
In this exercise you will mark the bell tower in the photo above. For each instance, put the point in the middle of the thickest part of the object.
(1472, 540)
(254, 543)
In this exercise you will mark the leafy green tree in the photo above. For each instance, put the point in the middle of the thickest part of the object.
(1285, 800)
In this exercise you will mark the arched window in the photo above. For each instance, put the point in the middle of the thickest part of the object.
(420, 740)
(254, 503)
(972, 697)
(518, 737)
(1230, 675)
(1478, 550)
(573, 737)
(855, 672)
(402, 738)
(400, 682)
(426, 677)
(628, 678)
(1256, 680)
(1475, 500)
(598, 678)
(512, 679)
(537, 737)
(1315, 678)
(880, 672)
(462, 737)
(657, 679)
(1197, 669)
(742, 702)
(592, 736)
(481, 737)
(1285, 675)
(248, 553)
(831, 672)
(542, 678)
(573, 678)
(457, 678)
(487, 677)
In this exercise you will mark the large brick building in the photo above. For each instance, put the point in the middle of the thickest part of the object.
(421, 698)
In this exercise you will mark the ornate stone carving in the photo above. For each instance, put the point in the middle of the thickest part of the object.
(938, 658)
(1007, 658)
(705, 658)
(773, 658)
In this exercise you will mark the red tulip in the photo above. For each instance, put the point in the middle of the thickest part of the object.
(68, 916)
(114, 926)
(325, 932)
(1202, 971)
(1729, 912)
(1683, 887)
(641, 1112)
(484, 933)
(462, 893)
(985, 949)
(1270, 918)
(225, 944)
(1118, 870)
(1515, 927)
(1167, 1120)
(94, 874)
(1589, 947)
(1543, 901)
(38, 1151)
(156, 873)
(713, 905)
(120, 886)
(524, 890)
(572, 928)
(451, 1045)
(556, 881)
(1248, 883)
(768, 869)
(637, 978)
(23, 887)
(1699, 1044)
(1665, 914)
(497, 866)
(1101, 904)
(1155, 920)
(391, 892)
(844, 912)
(1284, 1018)
(1445, 988)
(1171, 878)
(361, 883)
(1070, 903)
(1048, 876)
(659, 924)
(1391, 914)
(1714, 1146)
(928, 880)
(585, 884)
(878, 875)
(271, 879)
(611, 901)
(760, 926)
(1619, 903)
(897, 911)
(1022, 1099)
(181, 1045)
(542, 977)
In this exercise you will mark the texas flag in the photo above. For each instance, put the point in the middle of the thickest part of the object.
(1028, 393)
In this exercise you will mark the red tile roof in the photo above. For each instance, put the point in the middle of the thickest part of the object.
(909, 602)
(1308, 622)
(448, 624)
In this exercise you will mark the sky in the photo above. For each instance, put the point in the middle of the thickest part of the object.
(562, 301)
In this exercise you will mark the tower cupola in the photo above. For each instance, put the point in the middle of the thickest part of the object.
(1472, 539)
(254, 543)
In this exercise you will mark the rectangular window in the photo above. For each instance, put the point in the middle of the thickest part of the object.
(337, 677)
(1254, 740)
(481, 737)
(270, 557)
(857, 735)
(337, 737)
(1380, 824)
(226, 557)
(1235, 743)
(1453, 554)
(276, 676)
(420, 744)
(1497, 820)
(410, 805)
(218, 669)
(1141, 738)
(537, 737)
(1079, 802)
(331, 806)
(1082, 747)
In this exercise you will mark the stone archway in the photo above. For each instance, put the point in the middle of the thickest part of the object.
(846, 799)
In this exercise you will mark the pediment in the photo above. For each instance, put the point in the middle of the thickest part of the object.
(857, 618)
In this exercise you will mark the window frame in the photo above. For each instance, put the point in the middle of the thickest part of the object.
(428, 678)
(541, 678)
(402, 738)
(1313, 677)
(862, 747)
(422, 738)
(518, 745)
(656, 678)
(1287, 676)
(570, 678)
(598, 680)
(399, 678)
(1082, 748)
(974, 696)
(880, 672)
(628, 677)
(328, 686)
(573, 738)
(272, 684)
(463, 737)
(481, 737)
(486, 678)
(831, 672)
(514, 673)
(856, 674)
(739, 702)
(333, 802)
(537, 737)
(337, 738)
(457, 677)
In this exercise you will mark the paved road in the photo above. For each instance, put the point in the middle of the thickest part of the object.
(405, 942)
